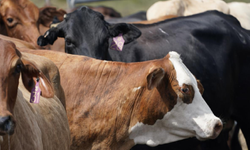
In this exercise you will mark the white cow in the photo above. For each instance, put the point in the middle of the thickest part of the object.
(241, 11)
(184, 7)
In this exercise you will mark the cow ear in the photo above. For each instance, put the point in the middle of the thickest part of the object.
(29, 75)
(200, 86)
(48, 13)
(129, 31)
(154, 78)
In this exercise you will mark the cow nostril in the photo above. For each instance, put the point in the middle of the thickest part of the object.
(5, 123)
(218, 127)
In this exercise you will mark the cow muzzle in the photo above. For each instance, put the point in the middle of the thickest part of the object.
(7, 125)
(209, 130)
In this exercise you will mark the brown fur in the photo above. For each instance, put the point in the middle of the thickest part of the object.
(102, 100)
(19, 43)
(37, 126)
(28, 21)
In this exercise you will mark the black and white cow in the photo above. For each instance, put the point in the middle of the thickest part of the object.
(212, 45)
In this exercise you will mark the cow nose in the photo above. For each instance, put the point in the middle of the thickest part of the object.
(6, 124)
(217, 129)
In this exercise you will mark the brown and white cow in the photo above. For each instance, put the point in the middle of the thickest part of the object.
(114, 105)
(26, 126)
(22, 19)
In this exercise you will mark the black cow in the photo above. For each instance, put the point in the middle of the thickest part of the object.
(212, 45)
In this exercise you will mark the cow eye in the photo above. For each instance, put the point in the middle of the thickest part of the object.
(184, 90)
(68, 42)
(18, 68)
(10, 20)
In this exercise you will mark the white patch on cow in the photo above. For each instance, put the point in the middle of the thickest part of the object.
(183, 121)
(175, 123)
(64, 16)
(163, 31)
(137, 88)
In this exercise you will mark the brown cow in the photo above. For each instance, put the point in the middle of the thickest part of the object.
(114, 105)
(44, 64)
(26, 126)
(22, 19)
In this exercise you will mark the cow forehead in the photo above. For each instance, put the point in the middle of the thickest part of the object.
(183, 75)
(24, 9)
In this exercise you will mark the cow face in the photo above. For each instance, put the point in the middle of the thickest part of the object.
(12, 66)
(22, 19)
(87, 33)
(176, 109)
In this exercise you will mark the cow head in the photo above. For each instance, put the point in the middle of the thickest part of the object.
(172, 107)
(87, 33)
(21, 19)
(12, 66)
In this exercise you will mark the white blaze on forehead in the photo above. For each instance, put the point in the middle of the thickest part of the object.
(183, 75)
(183, 121)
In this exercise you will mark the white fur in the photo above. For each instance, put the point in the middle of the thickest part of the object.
(136, 89)
(183, 121)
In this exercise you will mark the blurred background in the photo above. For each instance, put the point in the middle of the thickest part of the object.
(125, 7)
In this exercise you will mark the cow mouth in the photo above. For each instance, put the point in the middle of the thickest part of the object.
(215, 135)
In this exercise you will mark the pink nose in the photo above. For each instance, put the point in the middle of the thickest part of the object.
(217, 129)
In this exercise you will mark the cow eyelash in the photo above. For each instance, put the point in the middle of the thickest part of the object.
(68, 42)
(10, 20)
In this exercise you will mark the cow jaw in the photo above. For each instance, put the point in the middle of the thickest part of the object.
(184, 120)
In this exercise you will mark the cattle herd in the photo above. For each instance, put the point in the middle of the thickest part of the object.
(173, 78)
